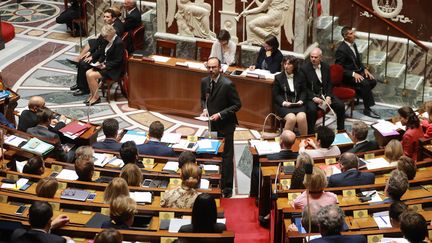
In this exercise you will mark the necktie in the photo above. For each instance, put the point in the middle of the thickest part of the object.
(212, 84)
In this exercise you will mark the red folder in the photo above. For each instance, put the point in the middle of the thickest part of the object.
(75, 127)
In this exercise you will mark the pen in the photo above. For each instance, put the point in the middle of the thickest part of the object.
(385, 222)
(371, 194)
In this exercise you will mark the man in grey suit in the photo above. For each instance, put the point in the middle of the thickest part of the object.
(359, 134)
(350, 175)
(220, 102)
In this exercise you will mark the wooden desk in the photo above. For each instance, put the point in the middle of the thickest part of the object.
(167, 88)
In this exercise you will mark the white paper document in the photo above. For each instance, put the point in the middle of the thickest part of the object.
(202, 118)
(265, 147)
(67, 174)
(141, 197)
(20, 165)
(171, 138)
(158, 58)
(374, 195)
(100, 159)
(205, 144)
(186, 145)
(196, 65)
(382, 219)
(136, 136)
(211, 168)
(204, 184)
(171, 166)
(376, 163)
(176, 224)
(14, 140)
(393, 240)
(116, 162)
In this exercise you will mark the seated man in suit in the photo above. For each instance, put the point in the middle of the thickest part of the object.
(355, 73)
(129, 153)
(133, 16)
(323, 147)
(287, 139)
(396, 186)
(316, 75)
(110, 129)
(359, 134)
(44, 117)
(350, 175)
(84, 168)
(40, 214)
(153, 146)
(331, 220)
(414, 227)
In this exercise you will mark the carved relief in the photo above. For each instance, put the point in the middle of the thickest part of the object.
(192, 17)
(268, 18)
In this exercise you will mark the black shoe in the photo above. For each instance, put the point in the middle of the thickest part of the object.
(86, 102)
(227, 194)
(72, 61)
(371, 113)
(264, 222)
(95, 102)
(75, 87)
(80, 92)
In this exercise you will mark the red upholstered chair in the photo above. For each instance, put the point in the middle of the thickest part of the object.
(7, 31)
(344, 93)
(122, 83)
(138, 37)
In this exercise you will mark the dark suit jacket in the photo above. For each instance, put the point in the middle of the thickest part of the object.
(351, 178)
(283, 154)
(108, 144)
(364, 147)
(225, 100)
(314, 87)
(35, 236)
(281, 89)
(44, 132)
(218, 228)
(119, 27)
(27, 119)
(132, 20)
(273, 61)
(110, 224)
(113, 58)
(340, 239)
(350, 62)
(155, 148)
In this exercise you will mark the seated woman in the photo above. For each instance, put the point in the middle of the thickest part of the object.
(84, 166)
(426, 122)
(318, 182)
(204, 216)
(393, 151)
(224, 49)
(413, 132)
(109, 65)
(122, 213)
(269, 56)
(47, 187)
(132, 175)
(108, 236)
(299, 172)
(407, 165)
(185, 195)
(116, 188)
(289, 96)
(34, 166)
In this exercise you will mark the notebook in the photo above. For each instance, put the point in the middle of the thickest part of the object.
(38, 147)
(75, 194)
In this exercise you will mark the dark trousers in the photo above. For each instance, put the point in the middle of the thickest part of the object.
(67, 16)
(227, 161)
(81, 76)
(364, 90)
(312, 110)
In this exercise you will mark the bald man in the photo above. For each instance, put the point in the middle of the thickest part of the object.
(287, 139)
(28, 117)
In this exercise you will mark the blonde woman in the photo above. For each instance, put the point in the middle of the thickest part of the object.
(185, 195)
(132, 175)
(116, 188)
(318, 182)
(393, 151)
(122, 213)
(47, 187)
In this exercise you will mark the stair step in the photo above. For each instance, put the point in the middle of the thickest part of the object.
(412, 87)
(396, 70)
(325, 22)
(375, 57)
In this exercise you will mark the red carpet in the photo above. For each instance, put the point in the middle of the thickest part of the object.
(242, 218)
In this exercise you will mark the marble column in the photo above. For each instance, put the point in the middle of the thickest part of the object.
(161, 15)
(227, 16)
(300, 28)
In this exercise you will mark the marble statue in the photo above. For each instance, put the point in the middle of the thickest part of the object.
(260, 23)
(193, 18)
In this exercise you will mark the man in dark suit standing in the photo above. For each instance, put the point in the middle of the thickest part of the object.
(220, 102)
(355, 73)
(350, 175)
(331, 220)
(316, 76)
(40, 214)
(359, 136)
(110, 129)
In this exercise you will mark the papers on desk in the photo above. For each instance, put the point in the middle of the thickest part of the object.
(67, 174)
(38, 147)
(186, 145)
(259, 73)
(141, 197)
(208, 146)
(376, 163)
(342, 138)
(100, 159)
(116, 162)
(176, 224)
(14, 140)
(136, 136)
(20, 165)
(204, 184)
(75, 129)
(160, 58)
(393, 240)
(331, 169)
(211, 169)
(265, 147)
(171, 138)
(386, 128)
(382, 219)
(400, 126)
(374, 195)
(20, 183)
(171, 166)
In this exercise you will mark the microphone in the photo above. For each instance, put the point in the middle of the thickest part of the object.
(208, 114)
(308, 167)
(328, 105)
(274, 196)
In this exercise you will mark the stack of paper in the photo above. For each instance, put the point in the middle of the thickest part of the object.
(116, 162)
(376, 163)
(386, 128)
(171, 138)
(265, 147)
(211, 168)
(160, 58)
(171, 166)
(75, 129)
(196, 65)
(141, 197)
(186, 145)
(100, 159)
(208, 146)
(15, 141)
(38, 147)
(67, 174)
(136, 136)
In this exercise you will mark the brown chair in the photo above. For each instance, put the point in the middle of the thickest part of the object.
(238, 56)
(124, 38)
(204, 49)
(138, 37)
(166, 47)
(81, 21)
(122, 83)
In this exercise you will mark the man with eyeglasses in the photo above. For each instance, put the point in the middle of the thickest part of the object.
(220, 102)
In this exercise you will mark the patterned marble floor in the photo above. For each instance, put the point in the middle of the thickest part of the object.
(34, 63)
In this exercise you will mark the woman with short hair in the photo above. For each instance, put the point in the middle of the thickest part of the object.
(132, 174)
(47, 187)
(116, 188)
(122, 213)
